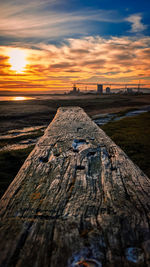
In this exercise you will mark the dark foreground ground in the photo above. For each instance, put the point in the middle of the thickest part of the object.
(131, 134)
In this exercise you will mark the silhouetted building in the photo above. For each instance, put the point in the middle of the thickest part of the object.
(100, 88)
(74, 90)
(107, 90)
(129, 90)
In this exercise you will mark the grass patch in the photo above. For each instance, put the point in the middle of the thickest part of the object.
(10, 163)
(132, 135)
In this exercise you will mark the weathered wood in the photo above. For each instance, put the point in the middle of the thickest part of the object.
(78, 200)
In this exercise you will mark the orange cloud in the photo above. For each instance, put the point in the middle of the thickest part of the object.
(94, 59)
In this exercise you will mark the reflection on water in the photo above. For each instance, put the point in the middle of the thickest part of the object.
(15, 98)
(102, 119)
(28, 136)
(20, 98)
(16, 146)
(21, 132)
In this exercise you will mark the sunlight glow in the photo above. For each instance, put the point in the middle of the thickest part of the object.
(17, 59)
(21, 98)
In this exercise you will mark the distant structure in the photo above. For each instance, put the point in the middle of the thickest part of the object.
(100, 88)
(139, 87)
(75, 90)
(129, 90)
(125, 88)
(107, 90)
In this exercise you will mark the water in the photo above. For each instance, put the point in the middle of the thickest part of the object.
(34, 97)
(26, 139)
(105, 118)
(15, 98)
(131, 114)
(20, 132)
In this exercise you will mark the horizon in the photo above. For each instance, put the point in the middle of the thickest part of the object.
(49, 45)
(63, 92)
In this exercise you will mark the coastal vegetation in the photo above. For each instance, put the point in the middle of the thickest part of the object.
(132, 135)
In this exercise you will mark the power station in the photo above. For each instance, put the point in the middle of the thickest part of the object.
(100, 88)
(105, 88)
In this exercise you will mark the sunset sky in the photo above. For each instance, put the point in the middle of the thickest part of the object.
(48, 45)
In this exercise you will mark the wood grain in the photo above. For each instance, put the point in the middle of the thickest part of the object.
(78, 200)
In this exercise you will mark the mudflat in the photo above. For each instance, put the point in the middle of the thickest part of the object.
(19, 114)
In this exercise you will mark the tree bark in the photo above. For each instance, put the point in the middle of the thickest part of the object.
(78, 200)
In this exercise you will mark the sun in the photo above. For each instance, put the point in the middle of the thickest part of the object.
(17, 59)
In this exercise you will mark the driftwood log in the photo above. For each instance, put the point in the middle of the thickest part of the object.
(78, 200)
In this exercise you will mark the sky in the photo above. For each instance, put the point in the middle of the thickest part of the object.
(47, 45)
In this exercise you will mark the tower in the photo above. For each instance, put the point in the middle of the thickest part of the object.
(99, 88)
(74, 88)
(107, 90)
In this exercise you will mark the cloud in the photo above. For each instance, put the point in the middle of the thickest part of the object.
(4, 65)
(136, 23)
(60, 46)
(43, 20)
(115, 59)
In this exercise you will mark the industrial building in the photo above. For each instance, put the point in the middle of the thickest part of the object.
(75, 90)
(129, 90)
(107, 90)
(100, 88)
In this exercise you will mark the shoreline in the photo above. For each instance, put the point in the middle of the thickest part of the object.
(30, 113)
